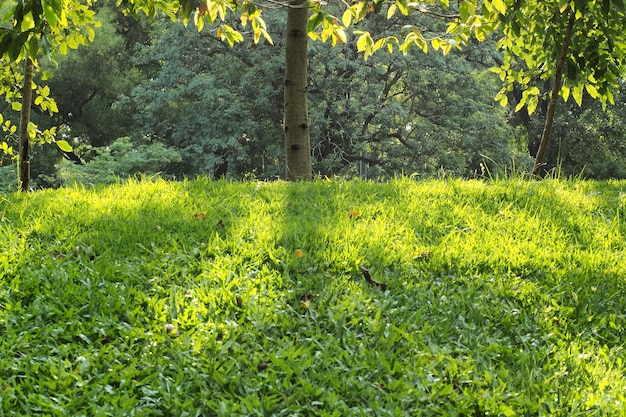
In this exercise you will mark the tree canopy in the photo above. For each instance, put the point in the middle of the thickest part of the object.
(578, 46)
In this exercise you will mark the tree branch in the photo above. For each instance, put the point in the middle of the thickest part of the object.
(422, 9)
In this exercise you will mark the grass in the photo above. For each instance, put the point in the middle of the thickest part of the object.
(203, 298)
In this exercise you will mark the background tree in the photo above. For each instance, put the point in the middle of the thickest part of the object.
(465, 20)
(221, 107)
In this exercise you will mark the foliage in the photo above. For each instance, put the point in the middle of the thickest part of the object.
(587, 140)
(220, 298)
(534, 32)
(591, 70)
(88, 81)
(414, 114)
(121, 159)
(220, 106)
(32, 28)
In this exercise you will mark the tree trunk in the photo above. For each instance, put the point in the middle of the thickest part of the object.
(24, 143)
(554, 95)
(296, 122)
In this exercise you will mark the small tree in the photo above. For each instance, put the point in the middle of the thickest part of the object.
(32, 28)
(579, 46)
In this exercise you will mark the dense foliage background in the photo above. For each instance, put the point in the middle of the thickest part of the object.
(161, 98)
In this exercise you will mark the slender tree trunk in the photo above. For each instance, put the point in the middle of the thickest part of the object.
(296, 122)
(554, 95)
(24, 143)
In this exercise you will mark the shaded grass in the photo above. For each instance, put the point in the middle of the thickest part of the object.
(503, 298)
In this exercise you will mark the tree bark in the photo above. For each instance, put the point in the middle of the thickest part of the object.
(558, 77)
(296, 119)
(24, 141)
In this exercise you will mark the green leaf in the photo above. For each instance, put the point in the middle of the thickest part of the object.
(64, 146)
(314, 21)
(464, 11)
(499, 5)
(346, 19)
(16, 46)
(33, 47)
(50, 14)
(592, 90)
(403, 7)
(5, 42)
(619, 4)
(581, 4)
(361, 43)
(577, 93)
(37, 12)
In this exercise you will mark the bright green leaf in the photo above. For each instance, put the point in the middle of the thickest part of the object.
(577, 93)
(346, 19)
(50, 14)
(341, 35)
(361, 43)
(403, 7)
(592, 90)
(499, 5)
(565, 92)
(64, 145)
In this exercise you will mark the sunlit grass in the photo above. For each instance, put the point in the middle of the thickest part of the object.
(503, 297)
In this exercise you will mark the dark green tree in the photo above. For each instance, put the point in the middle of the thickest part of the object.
(221, 108)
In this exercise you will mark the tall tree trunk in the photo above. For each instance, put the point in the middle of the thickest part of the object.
(24, 143)
(296, 122)
(554, 95)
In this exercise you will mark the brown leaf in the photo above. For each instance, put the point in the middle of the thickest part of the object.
(354, 214)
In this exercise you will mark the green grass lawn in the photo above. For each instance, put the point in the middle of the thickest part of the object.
(201, 298)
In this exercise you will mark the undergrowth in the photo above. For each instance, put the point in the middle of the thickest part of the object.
(204, 298)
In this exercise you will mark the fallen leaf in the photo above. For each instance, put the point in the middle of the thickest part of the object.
(305, 300)
(354, 213)
(199, 216)
(298, 253)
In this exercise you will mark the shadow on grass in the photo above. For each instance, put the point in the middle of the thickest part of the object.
(271, 315)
